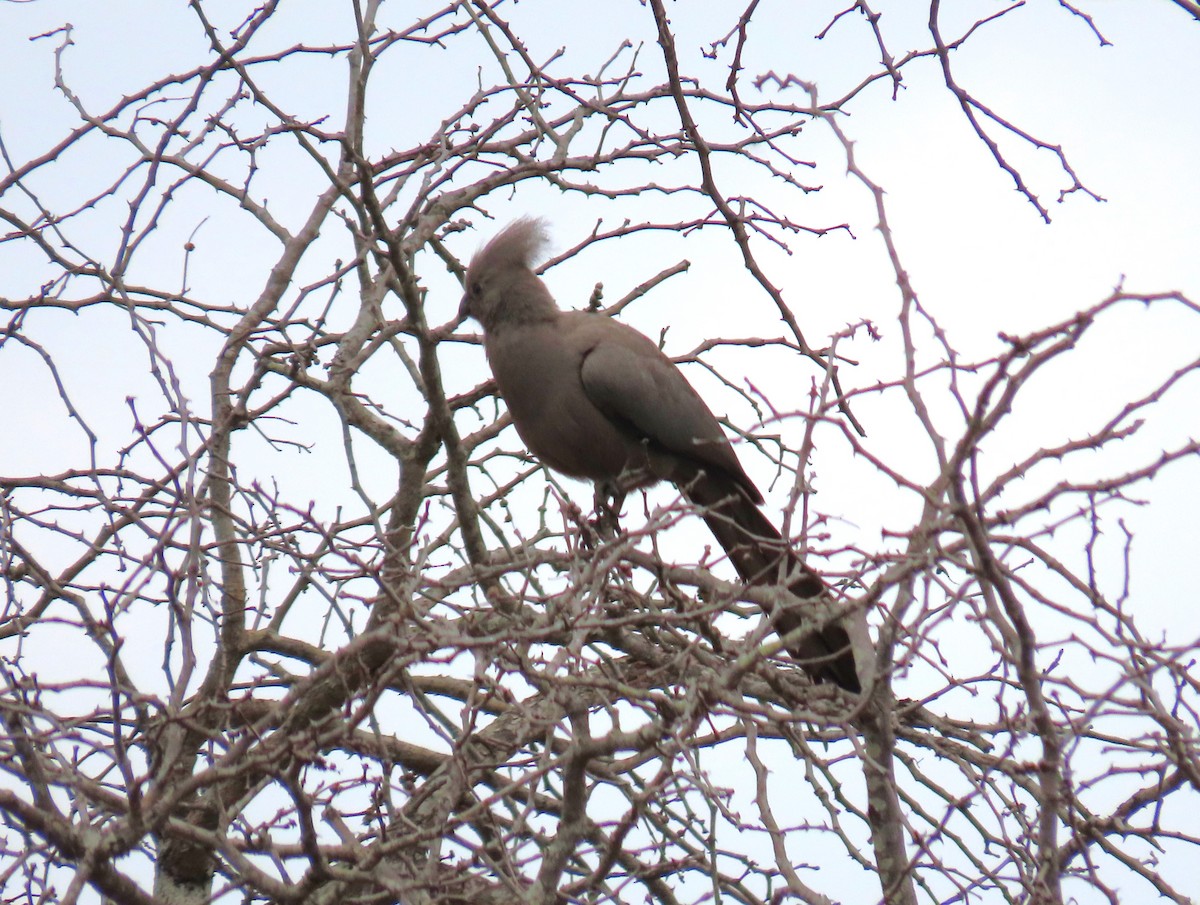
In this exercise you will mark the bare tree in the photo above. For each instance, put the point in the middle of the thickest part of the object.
(290, 615)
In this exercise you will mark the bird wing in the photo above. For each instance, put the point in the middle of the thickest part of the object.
(632, 382)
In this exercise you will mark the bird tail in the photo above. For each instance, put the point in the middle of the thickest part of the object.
(762, 556)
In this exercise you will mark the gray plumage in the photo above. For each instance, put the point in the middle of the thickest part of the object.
(593, 398)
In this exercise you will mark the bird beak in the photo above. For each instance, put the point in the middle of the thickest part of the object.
(464, 308)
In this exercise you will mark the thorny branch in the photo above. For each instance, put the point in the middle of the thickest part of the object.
(289, 614)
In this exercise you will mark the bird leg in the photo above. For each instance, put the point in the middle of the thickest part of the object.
(609, 498)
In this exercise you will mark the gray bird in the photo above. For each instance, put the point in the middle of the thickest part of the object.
(594, 398)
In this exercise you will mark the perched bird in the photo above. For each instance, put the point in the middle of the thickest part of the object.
(594, 398)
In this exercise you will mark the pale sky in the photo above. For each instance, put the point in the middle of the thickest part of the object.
(982, 260)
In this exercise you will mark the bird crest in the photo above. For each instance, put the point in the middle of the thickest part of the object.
(520, 244)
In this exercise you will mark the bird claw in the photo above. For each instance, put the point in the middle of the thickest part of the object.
(608, 503)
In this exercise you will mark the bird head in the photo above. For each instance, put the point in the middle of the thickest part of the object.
(501, 286)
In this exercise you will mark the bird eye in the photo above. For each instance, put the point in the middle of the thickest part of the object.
(475, 288)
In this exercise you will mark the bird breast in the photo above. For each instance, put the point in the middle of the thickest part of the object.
(539, 380)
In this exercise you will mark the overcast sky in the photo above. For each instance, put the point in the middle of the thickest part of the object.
(979, 254)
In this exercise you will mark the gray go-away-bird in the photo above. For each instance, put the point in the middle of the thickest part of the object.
(594, 398)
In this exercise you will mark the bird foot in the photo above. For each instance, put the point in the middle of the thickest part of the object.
(608, 503)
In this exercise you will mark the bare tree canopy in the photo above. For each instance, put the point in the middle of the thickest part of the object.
(290, 614)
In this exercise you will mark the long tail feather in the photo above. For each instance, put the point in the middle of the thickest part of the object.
(762, 556)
